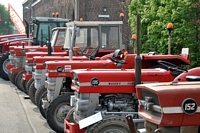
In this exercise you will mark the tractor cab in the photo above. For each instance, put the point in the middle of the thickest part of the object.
(93, 38)
(39, 27)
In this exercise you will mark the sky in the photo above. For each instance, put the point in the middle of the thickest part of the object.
(16, 4)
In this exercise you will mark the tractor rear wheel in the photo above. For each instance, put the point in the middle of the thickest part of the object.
(42, 110)
(18, 80)
(57, 112)
(38, 94)
(110, 124)
(4, 60)
(29, 84)
(32, 91)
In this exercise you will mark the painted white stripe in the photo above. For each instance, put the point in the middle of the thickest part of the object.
(175, 110)
(109, 84)
(115, 83)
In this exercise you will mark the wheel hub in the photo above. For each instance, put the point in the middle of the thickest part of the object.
(62, 112)
(5, 63)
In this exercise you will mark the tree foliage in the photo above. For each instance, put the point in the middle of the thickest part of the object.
(156, 14)
(6, 26)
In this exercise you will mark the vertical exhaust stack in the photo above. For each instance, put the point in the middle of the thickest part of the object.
(49, 43)
(138, 57)
(27, 28)
(41, 41)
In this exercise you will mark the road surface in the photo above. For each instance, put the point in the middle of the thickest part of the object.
(17, 114)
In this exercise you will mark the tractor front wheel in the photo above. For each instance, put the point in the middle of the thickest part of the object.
(32, 91)
(18, 80)
(24, 83)
(13, 76)
(38, 94)
(110, 124)
(40, 106)
(57, 112)
(28, 85)
(4, 60)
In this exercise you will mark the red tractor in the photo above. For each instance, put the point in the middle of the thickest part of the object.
(4, 57)
(59, 82)
(85, 44)
(170, 107)
(102, 98)
(11, 37)
(39, 35)
(18, 56)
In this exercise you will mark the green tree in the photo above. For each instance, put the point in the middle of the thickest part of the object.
(156, 14)
(6, 26)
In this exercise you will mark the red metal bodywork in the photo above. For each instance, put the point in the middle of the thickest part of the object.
(150, 60)
(39, 60)
(112, 81)
(192, 72)
(171, 96)
(104, 63)
(147, 62)
(15, 42)
(12, 36)
(19, 51)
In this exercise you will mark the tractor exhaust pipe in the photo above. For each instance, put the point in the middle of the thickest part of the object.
(49, 43)
(138, 57)
(41, 40)
(27, 28)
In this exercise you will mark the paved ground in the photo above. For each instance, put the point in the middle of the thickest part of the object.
(19, 115)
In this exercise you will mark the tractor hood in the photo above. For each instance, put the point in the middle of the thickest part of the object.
(19, 51)
(170, 104)
(30, 55)
(114, 80)
(11, 37)
(175, 59)
(40, 60)
(192, 72)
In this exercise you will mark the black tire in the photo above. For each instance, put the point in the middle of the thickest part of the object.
(110, 124)
(13, 76)
(38, 94)
(29, 84)
(24, 83)
(42, 110)
(9, 76)
(18, 80)
(4, 60)
(59, 105)
(32, 91)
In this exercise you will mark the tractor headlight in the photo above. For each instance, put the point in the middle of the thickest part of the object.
(75, 80)
(59, 69)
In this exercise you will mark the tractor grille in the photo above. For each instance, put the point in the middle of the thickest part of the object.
(39, 77)
(12, 58)
(150, 103)
(81, 105)
(20, 61)
(50, 84)
(29, 68)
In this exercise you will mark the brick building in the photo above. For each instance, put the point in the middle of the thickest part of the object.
(89, 10)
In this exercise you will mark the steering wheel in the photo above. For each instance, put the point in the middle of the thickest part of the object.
(171, 66)
(117, 61)
(89, 56)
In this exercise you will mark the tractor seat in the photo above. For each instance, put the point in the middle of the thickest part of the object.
(192, 78)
